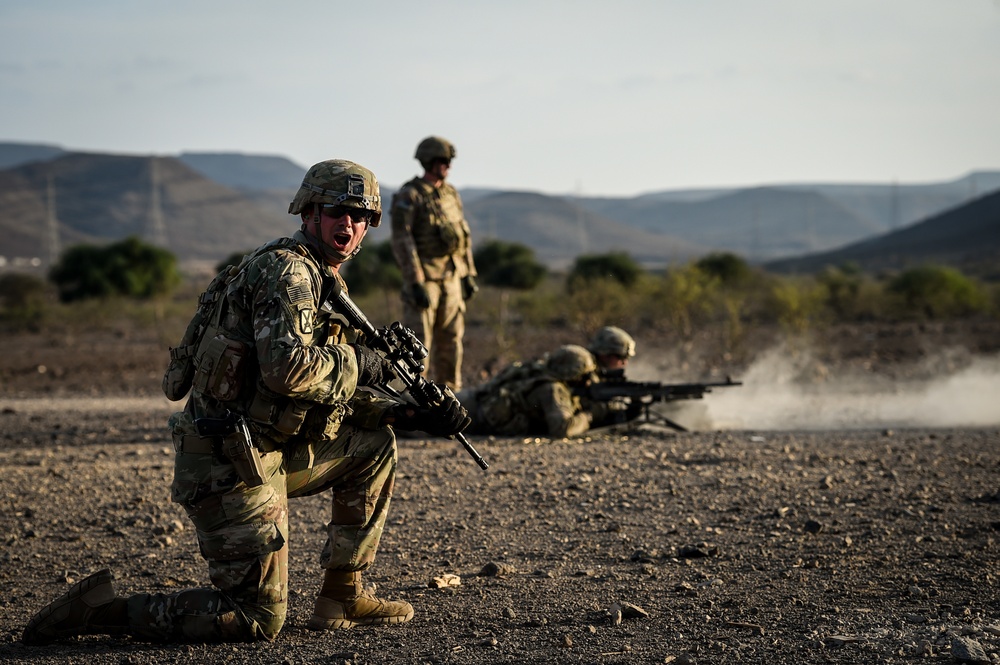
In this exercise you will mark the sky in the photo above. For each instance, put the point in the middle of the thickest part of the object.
(582, 97)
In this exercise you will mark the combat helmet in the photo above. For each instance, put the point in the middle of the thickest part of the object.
(339, 182)
(612, 340)
(434, 147)
(570, 363)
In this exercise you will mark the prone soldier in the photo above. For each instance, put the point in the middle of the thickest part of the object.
(540, 397)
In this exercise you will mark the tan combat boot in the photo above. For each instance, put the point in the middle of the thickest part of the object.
(343, 603)
(89, 607)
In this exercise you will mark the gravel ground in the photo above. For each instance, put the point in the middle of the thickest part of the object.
(865, 537)
(714, 547)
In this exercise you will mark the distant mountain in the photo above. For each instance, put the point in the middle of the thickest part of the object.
(766, 223)
(559, 230)
(211, 204)
(246, 172)
(97, 198)
(967, 237)
(15, 154)
(756, 223)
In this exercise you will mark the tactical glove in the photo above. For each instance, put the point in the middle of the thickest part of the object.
(447, 419)
(373, 369)
(419, 295)
(469, 287)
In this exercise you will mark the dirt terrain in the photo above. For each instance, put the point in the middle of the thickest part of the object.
(853, 535)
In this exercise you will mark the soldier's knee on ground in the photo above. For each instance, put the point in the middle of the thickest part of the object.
(202, 616)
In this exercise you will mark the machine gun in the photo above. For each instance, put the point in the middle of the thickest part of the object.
(406, 353)
(639, 396)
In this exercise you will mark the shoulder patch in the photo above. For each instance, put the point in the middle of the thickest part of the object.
(299, 292)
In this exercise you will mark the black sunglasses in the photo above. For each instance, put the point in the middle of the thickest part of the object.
(336, 211)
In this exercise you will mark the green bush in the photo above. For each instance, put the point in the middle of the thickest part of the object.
(937, 292)
(23, 300)
(796, 304)
(685, 297)
(730, 269)
(616, 266)
(127, 268)
(508, 265)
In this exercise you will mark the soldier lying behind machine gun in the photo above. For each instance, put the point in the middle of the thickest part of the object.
(627, 402)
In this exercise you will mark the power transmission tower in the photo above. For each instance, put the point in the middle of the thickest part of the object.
(894, 207)
(51, 222)
(158, 229)
(581, 227)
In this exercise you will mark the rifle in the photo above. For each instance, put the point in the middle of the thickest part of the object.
(643, 394)
(406, 353)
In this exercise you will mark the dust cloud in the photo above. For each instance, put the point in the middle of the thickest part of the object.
(784, 390)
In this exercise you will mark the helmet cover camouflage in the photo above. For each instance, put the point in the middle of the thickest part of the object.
(612, 340)
(434, 147)
(339, 182)
(570, 363)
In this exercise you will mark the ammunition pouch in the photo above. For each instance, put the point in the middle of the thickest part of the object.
(177, 379)
(221, 368)
(279, 413)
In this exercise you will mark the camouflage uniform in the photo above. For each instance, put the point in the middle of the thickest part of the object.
(530, 399)
(268, 350)
(607, 342)
(306, 369)
(432, 244)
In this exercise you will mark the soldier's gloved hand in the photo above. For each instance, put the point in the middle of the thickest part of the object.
(447, 419)
(373, 369)
(469, 287)
(419, 295)
(633, 410)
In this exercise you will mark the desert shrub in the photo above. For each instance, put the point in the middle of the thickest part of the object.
(129, 267)
(617, 267)
(731, 270)
(23, 300)
(373, 268)
(600, 302)
(685, 296)
(508, 265)
(937, 292)
(796, 304)
(849, 295)
(842, 287)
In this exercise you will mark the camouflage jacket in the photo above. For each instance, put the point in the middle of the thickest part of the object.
(525, 400)
(274, 354)
(431, 239)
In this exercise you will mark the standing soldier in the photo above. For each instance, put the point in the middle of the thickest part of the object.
(274, 412)
(432, 245)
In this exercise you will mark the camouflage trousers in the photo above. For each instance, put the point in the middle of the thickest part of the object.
(243, 533)
(441, 328)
